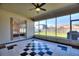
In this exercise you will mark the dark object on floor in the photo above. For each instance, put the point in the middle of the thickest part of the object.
(73, 35)
(11, 46)
(2, 46)
(63, 47)
(22, 34)
(15, 35)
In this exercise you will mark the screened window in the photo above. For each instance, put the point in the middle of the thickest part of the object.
(75, 26)
(75, 23)
(51, 27)
(42, 27)
(36, 26)
(75, 16)
(63, 26)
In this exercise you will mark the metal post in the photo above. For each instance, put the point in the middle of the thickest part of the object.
(70, 28)
(39, 27)
(70, 23)
(46, 28)
(56, 26)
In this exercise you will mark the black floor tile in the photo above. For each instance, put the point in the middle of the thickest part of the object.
(32, 53)
(49, 52)
(33, 49)
(40, 49)
(46, 48)
(24, 54)
(41, 53)
(26, 49)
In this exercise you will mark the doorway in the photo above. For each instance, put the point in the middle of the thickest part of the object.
(18, 29)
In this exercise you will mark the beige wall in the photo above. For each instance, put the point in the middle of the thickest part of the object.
(5, 25)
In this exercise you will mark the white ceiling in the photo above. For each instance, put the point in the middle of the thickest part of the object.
(23, 8)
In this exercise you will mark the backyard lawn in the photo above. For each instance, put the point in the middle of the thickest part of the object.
(52, 34)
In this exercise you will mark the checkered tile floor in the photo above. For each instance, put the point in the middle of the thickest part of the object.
(36, 47)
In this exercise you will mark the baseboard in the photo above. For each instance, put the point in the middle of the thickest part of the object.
(16, 41)
(73, 46)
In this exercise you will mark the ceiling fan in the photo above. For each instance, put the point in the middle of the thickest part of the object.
(38, 7)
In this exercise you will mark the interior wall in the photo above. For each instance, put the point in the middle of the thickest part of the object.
(5, 35)
(30, 29)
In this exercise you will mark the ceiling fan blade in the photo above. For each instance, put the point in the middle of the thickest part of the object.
(42, 4)
(37, 5)
(43, 9)
(34, 4)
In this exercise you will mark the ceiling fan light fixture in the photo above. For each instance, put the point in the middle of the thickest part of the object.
(37, 9)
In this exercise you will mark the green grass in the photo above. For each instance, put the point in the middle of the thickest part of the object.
(53, 34)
